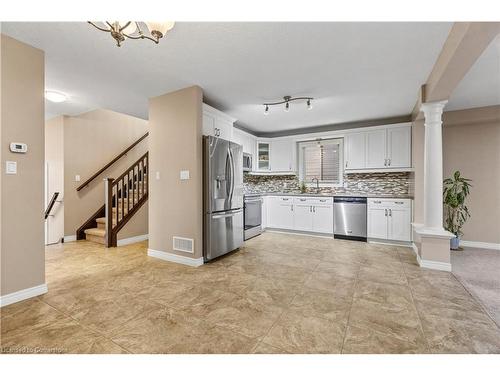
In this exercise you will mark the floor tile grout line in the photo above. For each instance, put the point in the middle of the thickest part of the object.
(350, 310)
(85, 326)
(283, 312)
(415, 307)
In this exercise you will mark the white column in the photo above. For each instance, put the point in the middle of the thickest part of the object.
(433, 166)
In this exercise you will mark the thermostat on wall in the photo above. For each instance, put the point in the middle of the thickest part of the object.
(18, 147)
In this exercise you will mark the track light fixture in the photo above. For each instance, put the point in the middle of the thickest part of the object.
(286, 100)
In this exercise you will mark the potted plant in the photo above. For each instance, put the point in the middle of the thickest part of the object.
(456, 190)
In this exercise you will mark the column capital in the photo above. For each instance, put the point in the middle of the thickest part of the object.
(433, 107)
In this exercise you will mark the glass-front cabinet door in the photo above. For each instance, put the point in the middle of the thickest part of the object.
(263, 153)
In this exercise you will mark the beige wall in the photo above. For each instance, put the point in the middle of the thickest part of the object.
(176, 144)
(22, 197)
(471, 144)
(54, 177)
(90, 141)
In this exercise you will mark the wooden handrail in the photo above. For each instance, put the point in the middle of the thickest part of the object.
(95, 175)
(51, 204)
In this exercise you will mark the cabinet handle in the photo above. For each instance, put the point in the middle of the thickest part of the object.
(385, 162)
(346, 163)
(386, 212)
(310, 209)
(389, 160)
(399, 202)
(291, 208)
(390, 212)
(314, 209)
(377, 202)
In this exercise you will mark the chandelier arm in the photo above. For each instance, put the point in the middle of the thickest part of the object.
(125, 26)
(141, 36)
(99, 27)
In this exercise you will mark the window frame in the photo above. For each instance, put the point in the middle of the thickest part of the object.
(302, 144)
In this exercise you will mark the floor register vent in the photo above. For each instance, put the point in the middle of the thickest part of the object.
(183, 244)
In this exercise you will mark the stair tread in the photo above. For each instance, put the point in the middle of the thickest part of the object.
(96, 232)
(101, 220)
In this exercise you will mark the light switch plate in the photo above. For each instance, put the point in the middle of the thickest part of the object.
(11, 167)
(77, 178)
(184, 175)
(157, 175)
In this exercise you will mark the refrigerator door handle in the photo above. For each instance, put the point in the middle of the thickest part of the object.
(231, 160)
(230, 214)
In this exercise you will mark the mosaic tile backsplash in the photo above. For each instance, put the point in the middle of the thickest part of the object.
(396, 184)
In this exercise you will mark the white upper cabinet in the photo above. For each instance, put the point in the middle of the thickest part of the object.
(385, 148)
(376, 149)
(355, 151)
(282, 156)
(217, 123)
(399, 150)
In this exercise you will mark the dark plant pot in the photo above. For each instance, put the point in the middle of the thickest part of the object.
(454, 243)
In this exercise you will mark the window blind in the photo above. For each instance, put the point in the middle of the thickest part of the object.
(322, 160)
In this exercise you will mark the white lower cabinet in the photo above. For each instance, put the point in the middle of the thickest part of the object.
(301, 214)
(303, 217)
(280, 212)
(389, 219)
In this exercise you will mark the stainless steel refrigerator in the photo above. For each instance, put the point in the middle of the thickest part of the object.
(222, 197)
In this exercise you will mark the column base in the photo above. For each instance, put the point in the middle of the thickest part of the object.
(433, 247)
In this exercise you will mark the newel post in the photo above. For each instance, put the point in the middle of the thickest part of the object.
(108, 198)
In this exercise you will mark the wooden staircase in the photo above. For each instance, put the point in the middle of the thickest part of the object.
(124, 197)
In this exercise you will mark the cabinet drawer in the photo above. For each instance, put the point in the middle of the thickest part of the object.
(388, 202)
(314, 200)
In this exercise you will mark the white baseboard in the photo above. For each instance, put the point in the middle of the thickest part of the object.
(70, 238)
(389, 242)
(194, 262)
(415, 248)
(21, 295)
(430, 264)
(131, 240)
(481, 245)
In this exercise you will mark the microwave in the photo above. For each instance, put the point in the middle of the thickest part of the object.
(247, 162)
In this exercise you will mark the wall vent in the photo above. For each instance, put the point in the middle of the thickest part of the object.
(183, 244)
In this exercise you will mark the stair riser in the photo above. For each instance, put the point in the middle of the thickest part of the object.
(101, 240)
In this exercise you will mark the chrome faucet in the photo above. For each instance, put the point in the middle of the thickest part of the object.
(317, 183)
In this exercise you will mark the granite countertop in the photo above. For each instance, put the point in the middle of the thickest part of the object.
(364, 195)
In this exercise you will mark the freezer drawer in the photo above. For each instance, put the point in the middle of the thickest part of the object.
(223, 233)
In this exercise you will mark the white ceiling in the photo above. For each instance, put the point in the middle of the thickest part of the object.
(481, 85)
(356, 71)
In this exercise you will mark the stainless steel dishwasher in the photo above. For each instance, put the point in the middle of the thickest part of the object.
(349, 218)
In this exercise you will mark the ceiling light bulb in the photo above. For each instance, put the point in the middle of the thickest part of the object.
(266, 110)
(130, 28)
(309, 104)
(287, 107)
(56, 97)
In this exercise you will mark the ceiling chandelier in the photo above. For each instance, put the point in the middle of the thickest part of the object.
(121, 30)
(286, 101)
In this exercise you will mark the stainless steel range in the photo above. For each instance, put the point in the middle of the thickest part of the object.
(253, 215)
(222, 197)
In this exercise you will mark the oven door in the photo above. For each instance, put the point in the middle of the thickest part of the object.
(253, 217)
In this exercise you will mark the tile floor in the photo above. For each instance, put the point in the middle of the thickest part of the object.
(280, 293)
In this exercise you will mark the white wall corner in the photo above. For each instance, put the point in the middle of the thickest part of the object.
(21, 295)
(131, 240)
(169, 257)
